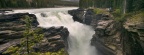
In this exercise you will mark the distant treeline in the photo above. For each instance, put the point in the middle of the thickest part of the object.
(34, 3)
(128, 5)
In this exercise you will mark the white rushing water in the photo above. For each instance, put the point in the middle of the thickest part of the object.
(80, 35)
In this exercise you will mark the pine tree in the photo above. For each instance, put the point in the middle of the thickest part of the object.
(31, 37)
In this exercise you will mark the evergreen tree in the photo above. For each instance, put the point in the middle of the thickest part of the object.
(31, 37)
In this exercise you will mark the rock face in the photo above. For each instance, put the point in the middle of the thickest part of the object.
(77, 14)
(99, 23)
(114, 38)
(54, 40)
(12, 28)
(135, 39)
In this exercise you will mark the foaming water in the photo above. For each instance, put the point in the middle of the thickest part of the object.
(80, 34)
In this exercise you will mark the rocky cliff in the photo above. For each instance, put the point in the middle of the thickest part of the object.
(12, 28)
(111, 37)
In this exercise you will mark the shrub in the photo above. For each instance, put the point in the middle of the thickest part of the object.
(136, 18)
(31, 37)
(100, 11)
(118, 16)
(117, 13)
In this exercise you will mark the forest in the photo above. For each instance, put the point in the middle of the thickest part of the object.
(123, 5)
(34, 3)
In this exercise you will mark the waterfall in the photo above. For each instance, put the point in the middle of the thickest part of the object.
(80, 34)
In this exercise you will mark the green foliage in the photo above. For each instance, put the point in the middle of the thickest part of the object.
(119, 19)
(34, 3)
(16, 51)
(135, 5)
(13, 50)
(133, 17)
(117, 13)
(118, 16)
(100, 11)
(125, 6)
(60, 52)
(85, 3)
(136, 18)
(31, 37)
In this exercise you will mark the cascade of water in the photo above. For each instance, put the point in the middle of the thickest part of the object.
(80, 34)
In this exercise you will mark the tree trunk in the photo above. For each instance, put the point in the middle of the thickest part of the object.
(124, 7)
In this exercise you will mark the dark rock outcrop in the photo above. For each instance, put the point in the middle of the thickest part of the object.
(77, 14)
(13, 27)
(103, 38)
(54, 40)
(89, 15)
(115, 38)
(133, 43)
(99, 23)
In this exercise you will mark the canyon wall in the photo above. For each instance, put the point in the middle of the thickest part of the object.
(12, 28)
(111, 37)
